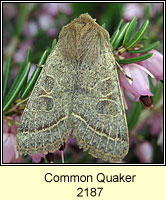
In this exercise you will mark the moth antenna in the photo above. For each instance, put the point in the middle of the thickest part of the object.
(124, 73)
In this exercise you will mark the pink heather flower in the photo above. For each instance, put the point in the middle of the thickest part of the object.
(131, 10)
(156, 124)
(137, 9)
(123, 97)
(155, 8)
(8, 147)
(30, 29)
(10, 154)
(50, 156)
(154, 64)
(20, 54)
(65, 146)
(9, 10)
(52, 32)
(37, 157)
(55, 8)
(32, 69)
(144, 152)
(140, 83)
(158, 7)
(46, 21)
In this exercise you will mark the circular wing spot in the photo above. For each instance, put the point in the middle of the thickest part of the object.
(107, 107)
(47, 83)
(108, 86)
(43, 103)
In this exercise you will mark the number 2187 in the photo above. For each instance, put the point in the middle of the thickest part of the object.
(93, 192)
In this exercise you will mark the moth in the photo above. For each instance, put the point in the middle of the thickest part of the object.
(77, 91)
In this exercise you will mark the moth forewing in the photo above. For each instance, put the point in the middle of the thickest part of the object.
(78, 91)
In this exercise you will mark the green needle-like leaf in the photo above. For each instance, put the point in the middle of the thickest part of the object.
(103, 25)
(135, 60)
(34, 76)
(114, 36)
(18, 86)
(26, 62)
(145, 38)
(130, 30)
(20, 71)
(120, 36)
(27, 56)
(150, 47)
(6, 75)
(151, 84)
(23, 11)
(116, 33)
(157, 92)
(139, 35)
(133, 116)
(53, 44)
(120, 24)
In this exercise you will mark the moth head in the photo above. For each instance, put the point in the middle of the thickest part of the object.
(78, 38)
(83, 25)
